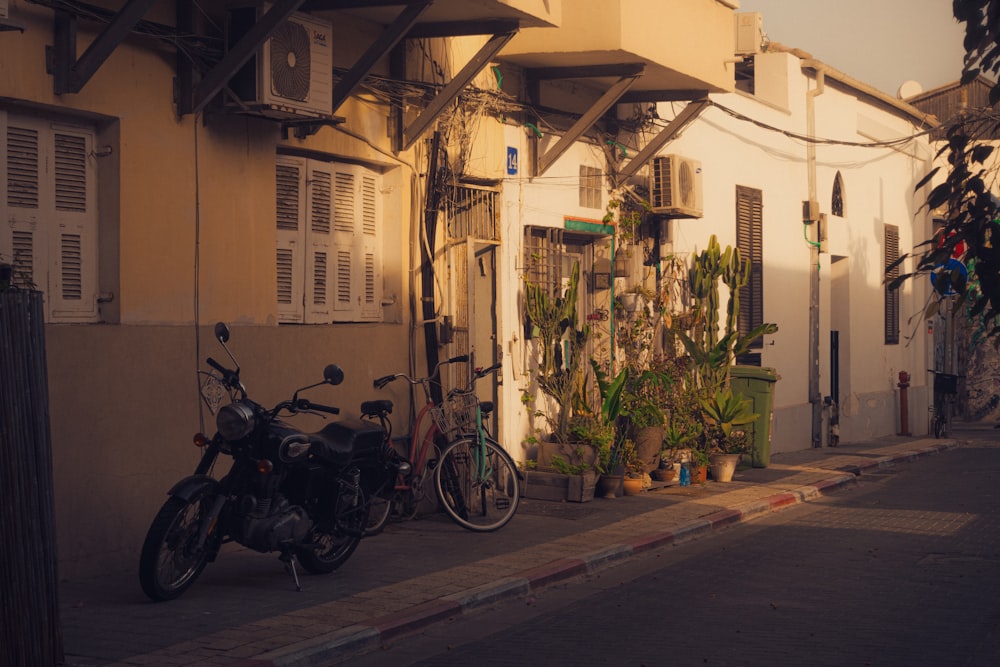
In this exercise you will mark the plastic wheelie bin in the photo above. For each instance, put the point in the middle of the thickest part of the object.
(757, 384)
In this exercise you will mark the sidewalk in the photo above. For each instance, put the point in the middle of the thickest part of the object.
(245, 611)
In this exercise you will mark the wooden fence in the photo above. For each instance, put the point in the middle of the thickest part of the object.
(29, 606)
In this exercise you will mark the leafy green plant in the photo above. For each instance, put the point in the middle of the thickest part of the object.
(725, 410)
(564, 467)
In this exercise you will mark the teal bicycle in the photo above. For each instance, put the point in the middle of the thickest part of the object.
(475, 479)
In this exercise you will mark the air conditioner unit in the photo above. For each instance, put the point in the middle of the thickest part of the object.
(675, 186)
(291, 75)
(749, 33)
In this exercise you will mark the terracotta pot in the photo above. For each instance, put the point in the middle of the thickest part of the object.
(633, 486)
(699, 474)
(663, 474)
(609, 486)
(648, 445)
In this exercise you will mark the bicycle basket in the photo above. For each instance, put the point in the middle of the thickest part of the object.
(945, 383)
(456, 415)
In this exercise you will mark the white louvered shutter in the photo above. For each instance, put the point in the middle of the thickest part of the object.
(370, 249)
(319, 264)
(290, 256)
(345, 223)
(73, 265)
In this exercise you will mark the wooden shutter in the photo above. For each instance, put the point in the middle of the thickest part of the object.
(73, 265)
(319, 265)
(749, 239)
(891, 295)
(21, 240)
(49, 203)
(290, 256)
(370, 246)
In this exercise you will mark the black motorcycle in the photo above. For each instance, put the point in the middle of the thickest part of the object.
(304, 495)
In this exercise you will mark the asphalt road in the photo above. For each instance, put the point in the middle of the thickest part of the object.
(903, 569)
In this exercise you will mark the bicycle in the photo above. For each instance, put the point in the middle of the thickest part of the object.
(475, 480)
(945, 389)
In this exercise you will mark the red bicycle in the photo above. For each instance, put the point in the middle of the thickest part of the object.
(475, 480)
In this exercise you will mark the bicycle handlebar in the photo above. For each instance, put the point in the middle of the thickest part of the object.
(381, 382)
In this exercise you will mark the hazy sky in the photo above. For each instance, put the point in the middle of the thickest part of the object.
(880, 42)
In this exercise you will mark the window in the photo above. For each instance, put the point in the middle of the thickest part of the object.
(837, 199)
(48, 200)
(749, 232)
(590, 187)
(329, 254)
(891, 295)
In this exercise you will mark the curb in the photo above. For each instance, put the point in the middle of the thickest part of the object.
(373, 633)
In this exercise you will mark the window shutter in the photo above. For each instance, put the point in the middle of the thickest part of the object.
(22, 200)
(891, 295)
(344, 221)
(290, 260)
(49, 203)
(319, 267)
(371, 269)
(749, 239)
(73, 278)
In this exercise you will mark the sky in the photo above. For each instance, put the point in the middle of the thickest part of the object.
(880, 42)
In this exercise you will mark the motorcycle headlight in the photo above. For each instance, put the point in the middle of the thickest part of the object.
(235, 421)
(293, 447)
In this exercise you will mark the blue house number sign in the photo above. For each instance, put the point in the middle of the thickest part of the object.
(511, 161)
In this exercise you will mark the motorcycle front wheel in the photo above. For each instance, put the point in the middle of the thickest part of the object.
(171, 560)
(333, 545)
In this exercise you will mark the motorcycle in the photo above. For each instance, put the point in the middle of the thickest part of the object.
(304, 495)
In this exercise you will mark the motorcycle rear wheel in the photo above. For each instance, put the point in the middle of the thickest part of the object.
(170, 563)
(334, 546)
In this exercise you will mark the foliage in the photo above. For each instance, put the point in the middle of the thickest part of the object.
(566, 468)
(971, 210)
(722, 412)
(561, 343)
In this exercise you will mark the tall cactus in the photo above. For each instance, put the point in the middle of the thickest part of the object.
(562, 345)
(736, 275)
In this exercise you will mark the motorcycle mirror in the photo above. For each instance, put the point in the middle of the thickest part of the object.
(222, 332)
(333, 374)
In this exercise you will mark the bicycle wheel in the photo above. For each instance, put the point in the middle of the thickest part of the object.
(481, 501)
(379, 511)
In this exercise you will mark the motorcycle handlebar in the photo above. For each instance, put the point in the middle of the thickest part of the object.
(217, 366)
(306, 404)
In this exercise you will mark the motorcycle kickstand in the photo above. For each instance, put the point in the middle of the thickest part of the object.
(289, 560)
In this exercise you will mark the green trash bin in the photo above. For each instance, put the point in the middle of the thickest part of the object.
(757, 384)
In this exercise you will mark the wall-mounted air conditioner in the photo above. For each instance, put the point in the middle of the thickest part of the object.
(675, 186)
(291, 75)
(749, 33)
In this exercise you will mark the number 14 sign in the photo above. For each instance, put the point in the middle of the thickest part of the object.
(511, 161)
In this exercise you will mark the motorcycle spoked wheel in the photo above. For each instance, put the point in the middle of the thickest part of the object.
(169, 562)
(333, 547)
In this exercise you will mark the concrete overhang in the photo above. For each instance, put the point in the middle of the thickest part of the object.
(683, 45)
(526, 13)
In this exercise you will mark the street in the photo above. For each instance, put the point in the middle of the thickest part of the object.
(900, 570)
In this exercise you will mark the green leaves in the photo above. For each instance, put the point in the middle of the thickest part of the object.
(727, 409)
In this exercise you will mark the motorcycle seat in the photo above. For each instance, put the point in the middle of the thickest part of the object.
(341, 442)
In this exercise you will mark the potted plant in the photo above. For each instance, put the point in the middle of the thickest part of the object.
(724, 411)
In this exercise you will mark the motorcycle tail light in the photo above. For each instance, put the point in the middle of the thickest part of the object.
(200, 440)
(264, 466)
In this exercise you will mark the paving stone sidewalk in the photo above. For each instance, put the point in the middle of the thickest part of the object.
(243, 611)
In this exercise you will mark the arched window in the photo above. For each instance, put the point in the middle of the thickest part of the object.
(837, 203)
